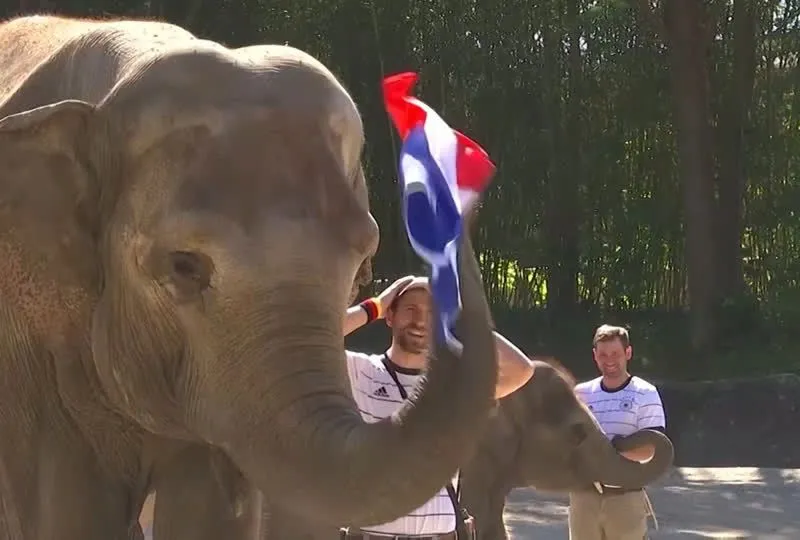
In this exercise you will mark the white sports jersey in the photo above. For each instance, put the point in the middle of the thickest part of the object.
(377, 397)
(633, 406)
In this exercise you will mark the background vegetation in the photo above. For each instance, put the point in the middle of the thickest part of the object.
(647, 150)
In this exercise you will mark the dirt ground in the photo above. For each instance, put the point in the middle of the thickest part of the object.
(735, 502)
(724, 503)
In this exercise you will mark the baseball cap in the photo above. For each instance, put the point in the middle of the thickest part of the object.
(419, 282)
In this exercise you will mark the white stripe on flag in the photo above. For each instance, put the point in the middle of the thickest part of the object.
(443, 146)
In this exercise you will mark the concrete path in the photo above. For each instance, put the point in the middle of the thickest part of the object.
(689, 503)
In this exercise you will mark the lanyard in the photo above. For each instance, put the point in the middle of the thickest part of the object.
(451, 491)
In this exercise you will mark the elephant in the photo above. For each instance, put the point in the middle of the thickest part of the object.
(540, 436)
(183, 226)
(543, 436)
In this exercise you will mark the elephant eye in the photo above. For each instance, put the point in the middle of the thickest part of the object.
(190, 273)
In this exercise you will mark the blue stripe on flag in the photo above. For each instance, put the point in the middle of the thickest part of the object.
(433, 224)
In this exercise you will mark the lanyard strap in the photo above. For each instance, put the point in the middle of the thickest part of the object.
(393, 374)
(452, 492)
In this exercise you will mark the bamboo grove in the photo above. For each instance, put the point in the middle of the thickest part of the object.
(648, 155)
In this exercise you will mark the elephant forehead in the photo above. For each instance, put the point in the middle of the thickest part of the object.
(204, 83)
(243, 135)
(310, 85)
(283, 165)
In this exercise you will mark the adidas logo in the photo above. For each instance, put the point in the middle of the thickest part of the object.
(381, 392)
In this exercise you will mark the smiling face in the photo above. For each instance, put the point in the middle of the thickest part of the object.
(612, 351)
(409, 320)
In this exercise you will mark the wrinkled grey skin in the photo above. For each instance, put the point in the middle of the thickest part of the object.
(182, 226)
(540, 436)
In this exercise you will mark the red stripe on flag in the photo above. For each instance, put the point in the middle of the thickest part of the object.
(473, 166)
(396, 91)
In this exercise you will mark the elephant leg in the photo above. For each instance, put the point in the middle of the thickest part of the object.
(487, 507)
(494, 527)
(484, 488)
(201, 495)
(54, 488)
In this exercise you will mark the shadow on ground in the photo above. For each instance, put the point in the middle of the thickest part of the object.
(689, 503)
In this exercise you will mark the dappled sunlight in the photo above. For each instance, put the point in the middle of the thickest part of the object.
(543, 513)
(789, 475)
(740, 475)
(717, 534)
(691, 502)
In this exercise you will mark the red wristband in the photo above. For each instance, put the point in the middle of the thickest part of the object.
(372, 308)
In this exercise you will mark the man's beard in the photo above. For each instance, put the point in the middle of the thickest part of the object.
(611, 371)
(410, 344)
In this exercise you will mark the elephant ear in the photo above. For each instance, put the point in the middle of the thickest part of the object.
(43, 209)
(57, 122)
(44, 146)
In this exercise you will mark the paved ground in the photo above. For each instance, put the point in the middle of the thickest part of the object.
(723, 503)
(689, 503)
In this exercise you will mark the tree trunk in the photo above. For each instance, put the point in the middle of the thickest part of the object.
(561, 225)
(573, 152)
(733, 121)
(686, 37)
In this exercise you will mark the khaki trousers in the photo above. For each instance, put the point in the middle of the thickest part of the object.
(607, 517)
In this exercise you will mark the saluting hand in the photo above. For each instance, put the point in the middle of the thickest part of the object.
(390, 293)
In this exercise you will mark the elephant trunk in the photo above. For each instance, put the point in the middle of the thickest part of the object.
(610, 468)
(299, 435)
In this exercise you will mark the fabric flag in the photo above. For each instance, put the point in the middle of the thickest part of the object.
(442, 175)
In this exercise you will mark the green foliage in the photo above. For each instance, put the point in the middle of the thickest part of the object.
(587, 182)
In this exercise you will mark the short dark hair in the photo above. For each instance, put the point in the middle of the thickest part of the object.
(608, 332)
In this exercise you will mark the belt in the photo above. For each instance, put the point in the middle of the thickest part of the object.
(610, 491)
(618, 491)
(363, 535)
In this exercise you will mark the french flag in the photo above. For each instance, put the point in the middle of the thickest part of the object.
(442, 173)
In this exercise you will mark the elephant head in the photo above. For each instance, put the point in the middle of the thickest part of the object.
(543, 436)
(222, 216)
